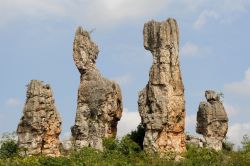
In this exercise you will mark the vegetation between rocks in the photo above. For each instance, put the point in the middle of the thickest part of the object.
(128, 152)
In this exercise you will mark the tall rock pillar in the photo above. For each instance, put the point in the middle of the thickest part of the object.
(161, 102)
(212, 121)
(40, 126)
(99, 103)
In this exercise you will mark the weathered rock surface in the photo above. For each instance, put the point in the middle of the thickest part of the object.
(212, 121)
(161, 103)
(39, 128)
(198, 142)
(99, 104)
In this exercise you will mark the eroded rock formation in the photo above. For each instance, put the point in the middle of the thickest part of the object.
(161, 102)
(212, 121)
(99, 103)
(39, 128)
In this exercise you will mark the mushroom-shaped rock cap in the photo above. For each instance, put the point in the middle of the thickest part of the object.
(161, 34)
(85, 50)
(211, 95)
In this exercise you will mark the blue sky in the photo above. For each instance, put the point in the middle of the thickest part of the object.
(36, 43)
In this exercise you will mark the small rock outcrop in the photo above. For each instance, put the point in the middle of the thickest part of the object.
(40, 126)
(195, 141)
(161, 103)
(212, 121)
(99, 103)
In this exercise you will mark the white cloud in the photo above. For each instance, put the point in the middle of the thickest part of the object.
(230, 10)
(193, 4)
(103, 12)
(13, 103)
(110, 12)
(237, 131)
(236, 6)
(190, 49)
(241, 87)
(128, 122)
(124, 80)
(204, 17)
(223, 11)
(10, 10)
(116, 10)
(231, 110)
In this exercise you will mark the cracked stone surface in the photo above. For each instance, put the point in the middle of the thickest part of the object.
(161, 103)
(212, 120)
(99, 103)
(40, 126)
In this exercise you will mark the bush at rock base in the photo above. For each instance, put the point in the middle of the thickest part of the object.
(126, 152)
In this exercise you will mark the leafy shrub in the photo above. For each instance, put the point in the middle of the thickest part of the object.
(8, 149)
(246, 143)
(203, 156)
(85, 156)
(126, 152)
(54, 161)
(128, 147)
(110, 144)
(138, 135)
(8, 145)
(125, 146)
(227, 146)
(19, 161)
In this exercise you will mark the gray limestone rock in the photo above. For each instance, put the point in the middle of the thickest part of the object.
(161, 103)
(195, 141)
(40, 126)
(99, 103)
(212, 121)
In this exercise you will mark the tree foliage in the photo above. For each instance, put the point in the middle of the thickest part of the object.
(138, 135)
(127, 152)
(8, 145)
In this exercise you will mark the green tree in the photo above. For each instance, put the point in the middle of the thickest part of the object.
(8, 145)
(246, 143)
(8, 149)
(138, 135)
(227, 145)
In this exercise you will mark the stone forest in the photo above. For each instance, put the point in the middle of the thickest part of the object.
(161, 105)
